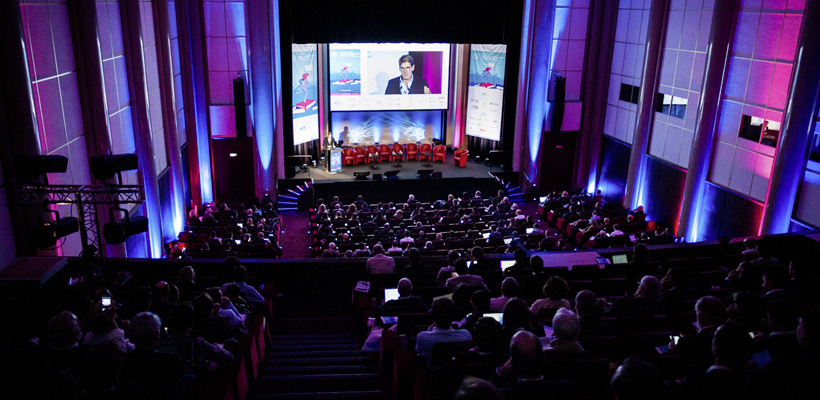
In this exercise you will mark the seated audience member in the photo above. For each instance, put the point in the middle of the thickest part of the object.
(521, 266)
(644, 303)
(590, 310)
(448, 271)
(331, 251)
(489, 353)
(473, 388)
(443, 311)
(464, 277)
(394, 250)
(532, 286)
(380, 263)
(723, 380)
(480, 300)
(479, 262)
(793, 377)
(190, 348)
(676, 290)
(157, 372)
(782, 341)
(522, 372)
(415, 266)
(710, 313)
(406, 302)
(59, 361)
(232, 292)
(517, 317)
(638, 380)
(556, 289)
(162, 304)
(188, 286)
(248, 292)
(746, 311)
(775, 280)
(509, 289)
(638, 266)
(749, 252)
(103, 328)
(566, 328)
(101, 373)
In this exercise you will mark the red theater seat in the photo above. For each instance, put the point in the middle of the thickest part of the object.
(361, 155)
(439, 153)
(385, 152)
(348, 156)
(412, 151)
(373, 153)
(460, 157)
(397, 153)
(426, 151)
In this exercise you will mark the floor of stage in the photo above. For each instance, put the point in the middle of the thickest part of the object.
(407, 170)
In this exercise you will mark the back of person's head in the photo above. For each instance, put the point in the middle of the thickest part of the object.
(162, 290)
(64, 330)
(378, 249)
(749, 243)
(101, 368)
(240, 273)
(775, 278)
(232, 291)
(481, 300)
(675, 277)
(487, 334)
(537, 264)
(145, 328)
(509, 287)
(183, 318)
(203, 306)
(808, 331)
(405, 287)
(640, 253)
(638, 380)
(587, 304)
(232, 262)
(520, 256)
(187, 274)
(477, 252)
(732, 346)
(710, 311)
(566, 325)
(526, 354)
(650, 287)
(556, 288)
(452, 256)
(782, 314)
(444, 311)
(141, 298)
(473, 388)
(461, 266)
(516, 315)
(414, 255)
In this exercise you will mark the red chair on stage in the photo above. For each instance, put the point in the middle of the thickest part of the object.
(412, 151)
(397, 153)
(439, 153)
(460, 157)
(426, 151)
(372, 153)
(385, 151)
(348, 156)
(361, 155)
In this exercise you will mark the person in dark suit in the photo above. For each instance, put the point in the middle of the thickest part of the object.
(408, 82)
(329, 143)
(731, 347)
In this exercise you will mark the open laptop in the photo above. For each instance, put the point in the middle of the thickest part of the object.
(506, 264)
(496, 316)
(507, 240)
(529, 230)
(391, 294)
(620, 259)
(486, 235)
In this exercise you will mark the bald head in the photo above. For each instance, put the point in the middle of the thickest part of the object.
(405, 287)
(526, 354)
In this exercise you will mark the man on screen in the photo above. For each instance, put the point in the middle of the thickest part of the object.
(329, 144)
(407, 83)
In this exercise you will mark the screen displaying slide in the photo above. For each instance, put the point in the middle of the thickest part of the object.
(305, 93)
(388, 76)
(386, 127)
(485, 94)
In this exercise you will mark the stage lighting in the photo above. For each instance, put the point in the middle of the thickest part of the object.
(424, 173)
(360, 176)
(391, 175)
(105, 167)
(31, 167)
(46, 235)
(115, 232)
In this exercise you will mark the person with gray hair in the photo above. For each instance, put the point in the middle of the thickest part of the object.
(710, 313)
(645, 303)
(157, 372)
(406, 302)
(566, 328)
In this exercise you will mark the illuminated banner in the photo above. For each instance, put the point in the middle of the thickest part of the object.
(305, 93)
(485, 95)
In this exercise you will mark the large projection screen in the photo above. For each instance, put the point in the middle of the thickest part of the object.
(485, 94)
(368, 76)
(305, 93)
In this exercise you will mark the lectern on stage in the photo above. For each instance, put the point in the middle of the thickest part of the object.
(336, 160)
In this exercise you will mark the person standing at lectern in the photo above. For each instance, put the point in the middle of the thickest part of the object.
(329, 144)
(407, 82)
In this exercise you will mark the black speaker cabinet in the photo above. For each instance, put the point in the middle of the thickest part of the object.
(234, 170)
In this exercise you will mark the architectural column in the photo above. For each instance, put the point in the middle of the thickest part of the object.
(798, 123)
(655, 35)
(189, 20)
(18, 131)
(717, 61)
(259, 43)
(278, 107)
(603, 19)
(533, 81)
(132, 38)
(166, 80)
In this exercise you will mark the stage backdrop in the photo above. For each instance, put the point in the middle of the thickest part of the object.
(304, 90)
(387, 127)
(485, 95)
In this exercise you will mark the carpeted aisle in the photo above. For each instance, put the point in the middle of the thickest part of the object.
(295, 238)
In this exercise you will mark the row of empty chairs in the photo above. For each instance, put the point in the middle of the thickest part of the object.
(393, 153)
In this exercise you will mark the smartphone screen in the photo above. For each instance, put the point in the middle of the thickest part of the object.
(675, 339)
(105, 303)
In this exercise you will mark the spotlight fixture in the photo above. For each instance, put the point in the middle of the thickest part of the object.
(105, 167)
(31, 167)
(46, 235)
(115, 232)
